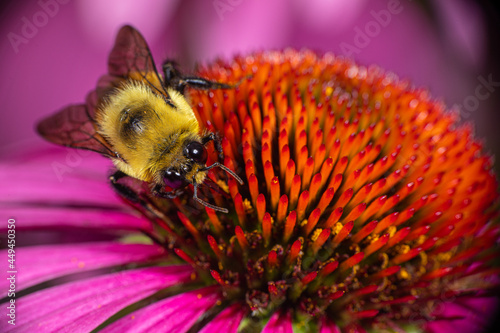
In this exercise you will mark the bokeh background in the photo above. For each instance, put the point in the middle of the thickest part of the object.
(53, 51)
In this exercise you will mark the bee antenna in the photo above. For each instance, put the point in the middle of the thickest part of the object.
(225, 168)
(206, 204)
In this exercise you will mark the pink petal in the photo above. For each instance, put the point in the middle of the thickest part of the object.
(83, 305)
(477, 314)
(43, 155)
(42, 263)
(37, 217)
(173, 314)
(227, 321)
(57, 175)
(279, 323)
(38, 194)
(28, 184)
(328, 327)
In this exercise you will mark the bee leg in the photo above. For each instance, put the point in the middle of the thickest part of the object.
(171, 74)
(217, 144)
(174, 79)
(225, 168)
(203, 84)
(123, 190)
(204, 203)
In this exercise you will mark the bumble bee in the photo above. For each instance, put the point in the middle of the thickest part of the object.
(142, 121)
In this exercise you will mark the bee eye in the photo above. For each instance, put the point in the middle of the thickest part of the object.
(173, 179)
(196, 151)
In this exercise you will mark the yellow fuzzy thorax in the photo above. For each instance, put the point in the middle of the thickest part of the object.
(155, 140)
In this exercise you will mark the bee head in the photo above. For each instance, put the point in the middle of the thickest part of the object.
(194, 172)
(174, 178)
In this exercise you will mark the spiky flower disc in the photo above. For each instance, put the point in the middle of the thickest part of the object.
(364, 201)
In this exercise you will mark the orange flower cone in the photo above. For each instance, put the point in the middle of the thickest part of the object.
(364, 200)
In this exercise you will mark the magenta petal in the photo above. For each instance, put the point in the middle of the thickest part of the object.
(173, 314)
(471, 314)
(36, 217)
(328, 327)
(227, 321)
(279, 323)
(81, 306)
(42, 263)
(45, 157)
(38, 195)
(25, 184)
(57, 176)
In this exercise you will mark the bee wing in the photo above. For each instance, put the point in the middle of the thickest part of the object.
(131, 58)
(74, 127)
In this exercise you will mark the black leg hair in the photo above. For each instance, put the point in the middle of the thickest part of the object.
(203, 84)
(225, 168)
(217, 144)
(158, 191)
(206, 204)
(171, 73)
(174, 79)
(123, 190)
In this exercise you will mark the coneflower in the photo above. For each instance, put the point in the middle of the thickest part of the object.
(365, 207)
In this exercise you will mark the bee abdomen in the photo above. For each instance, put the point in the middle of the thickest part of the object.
(132, 124)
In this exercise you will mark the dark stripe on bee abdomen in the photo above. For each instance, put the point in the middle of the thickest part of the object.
(132, 123)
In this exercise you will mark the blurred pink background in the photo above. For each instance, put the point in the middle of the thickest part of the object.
(53, 51)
